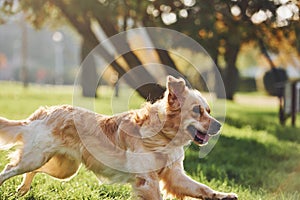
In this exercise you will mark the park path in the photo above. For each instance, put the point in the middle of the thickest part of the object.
(259, 100)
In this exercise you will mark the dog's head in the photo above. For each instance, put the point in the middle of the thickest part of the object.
(188, 112)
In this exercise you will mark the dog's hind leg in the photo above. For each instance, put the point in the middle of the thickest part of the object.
(33, 155)
(25, 185)
(29, 161)
(59, 166)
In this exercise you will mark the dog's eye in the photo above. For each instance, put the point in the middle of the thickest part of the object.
(197, 109)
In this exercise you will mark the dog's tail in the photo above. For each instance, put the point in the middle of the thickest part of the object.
(10, 133)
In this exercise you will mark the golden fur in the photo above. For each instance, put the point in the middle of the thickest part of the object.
(143, 147)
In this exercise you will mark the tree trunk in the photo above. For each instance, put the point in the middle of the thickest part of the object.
(163, 54)
(231, 71)
(219, 82)
(264, 51)
(150, 91)
(140, 80)
(89, 77)
(166, 60)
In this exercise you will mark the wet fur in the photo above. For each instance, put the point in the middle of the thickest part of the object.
(56, 140)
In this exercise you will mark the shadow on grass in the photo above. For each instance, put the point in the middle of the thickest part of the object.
(257, 120)
(242, 161)
(266, 121)
(287, 133)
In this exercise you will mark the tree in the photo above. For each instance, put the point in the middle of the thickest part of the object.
(81, 16)
(221, 26)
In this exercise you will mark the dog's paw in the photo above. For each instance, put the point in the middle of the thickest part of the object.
(22, 190)
(223, 196)
(230, 196)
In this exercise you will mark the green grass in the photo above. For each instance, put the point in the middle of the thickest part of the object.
(255, 156)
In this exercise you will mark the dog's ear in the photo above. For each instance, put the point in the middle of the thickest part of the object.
(176, 88)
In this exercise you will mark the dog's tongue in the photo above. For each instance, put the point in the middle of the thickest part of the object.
(203, 137)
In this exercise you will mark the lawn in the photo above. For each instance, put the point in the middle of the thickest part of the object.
(255, 156)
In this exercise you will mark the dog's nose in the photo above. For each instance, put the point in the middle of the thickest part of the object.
(214, 127)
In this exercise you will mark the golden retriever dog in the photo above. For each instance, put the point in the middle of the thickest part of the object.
(143, 147)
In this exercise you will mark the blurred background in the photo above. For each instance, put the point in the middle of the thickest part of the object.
(45, 41)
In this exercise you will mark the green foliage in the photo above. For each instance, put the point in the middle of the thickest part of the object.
(254, 157)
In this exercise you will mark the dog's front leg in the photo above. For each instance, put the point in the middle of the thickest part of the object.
(146, 187)
(180, 185)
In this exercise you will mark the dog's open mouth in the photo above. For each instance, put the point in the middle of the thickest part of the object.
(200, 137)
